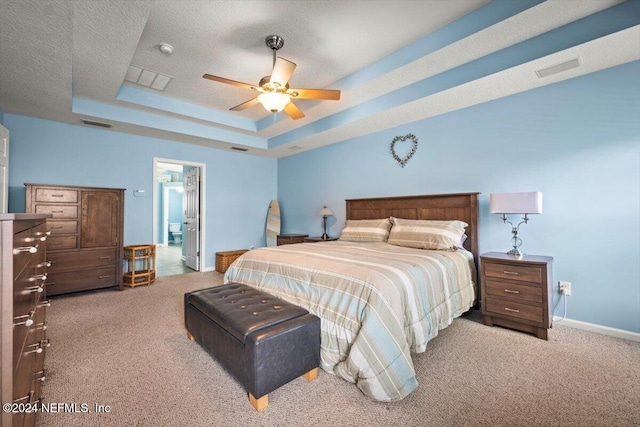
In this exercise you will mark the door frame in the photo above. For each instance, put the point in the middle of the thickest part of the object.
(203, 202)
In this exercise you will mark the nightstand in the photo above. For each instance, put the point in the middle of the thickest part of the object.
(315, 239)
(287, 239)
(517, 293)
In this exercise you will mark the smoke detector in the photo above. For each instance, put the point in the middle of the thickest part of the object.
(166, 48)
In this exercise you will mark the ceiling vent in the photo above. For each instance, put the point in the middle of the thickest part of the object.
(94, 123)
(295, 148)
(239, 149)
(147, 78)
(559, 68)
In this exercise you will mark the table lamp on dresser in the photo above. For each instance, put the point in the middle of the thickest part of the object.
(526, 203)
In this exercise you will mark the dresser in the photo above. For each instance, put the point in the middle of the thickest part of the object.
(85, 246)
(23, 242)
(517, 292)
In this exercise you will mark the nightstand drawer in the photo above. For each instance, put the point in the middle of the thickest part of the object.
(513, 272)
(513, 309)
(513, 290)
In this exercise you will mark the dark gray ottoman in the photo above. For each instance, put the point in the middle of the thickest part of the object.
(263, 341)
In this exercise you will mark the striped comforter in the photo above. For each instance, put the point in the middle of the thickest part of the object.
(377, 302)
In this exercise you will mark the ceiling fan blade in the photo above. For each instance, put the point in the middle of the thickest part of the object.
(245, 105)
(229, 81)
(282, 71)
(330, 94)
(294, 112)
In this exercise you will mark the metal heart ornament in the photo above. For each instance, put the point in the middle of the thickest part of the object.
(414, 147)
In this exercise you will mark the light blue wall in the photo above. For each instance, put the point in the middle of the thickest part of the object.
(577, 141)
(239, 187)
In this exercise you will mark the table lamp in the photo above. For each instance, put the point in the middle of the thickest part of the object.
(325, 212)
(526, 203)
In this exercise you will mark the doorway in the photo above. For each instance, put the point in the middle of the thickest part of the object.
(178, 216)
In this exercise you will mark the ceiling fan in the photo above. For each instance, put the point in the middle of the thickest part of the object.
(276, 94)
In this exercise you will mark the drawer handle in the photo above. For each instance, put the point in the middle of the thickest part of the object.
(59, 227)
(57, 211)
(37, 289)
(40, 375)
(30, 249)
(40, 277)
(104, 277)
(510, 291)
(515, 273)
(57, 195)
(45, 303)
(512, 310)
(27, 322)
(104, 257)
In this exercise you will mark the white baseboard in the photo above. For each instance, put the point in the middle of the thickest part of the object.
(206, 269)
(604, 330)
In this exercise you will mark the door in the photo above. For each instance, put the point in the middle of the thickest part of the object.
(99, 219)
(4, 169)
(191, 229)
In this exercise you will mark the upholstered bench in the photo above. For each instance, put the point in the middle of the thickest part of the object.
(263, 341)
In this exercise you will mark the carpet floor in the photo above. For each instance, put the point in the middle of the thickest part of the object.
(129, 350)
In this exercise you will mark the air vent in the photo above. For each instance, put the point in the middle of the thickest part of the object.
(147, 78)
(295, 148)
(94, 123)
(559, 68)
(239, 149)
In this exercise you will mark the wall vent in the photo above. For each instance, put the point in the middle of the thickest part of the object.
(94, 123)
(295, 148)
(239, 149)
(559, 68)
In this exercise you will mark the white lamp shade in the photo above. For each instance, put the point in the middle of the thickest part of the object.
(274, 101)
(516, 203)
(325, 211)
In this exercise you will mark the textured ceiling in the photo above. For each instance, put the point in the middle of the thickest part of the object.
(394, 61)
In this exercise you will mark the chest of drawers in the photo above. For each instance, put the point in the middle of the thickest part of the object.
(85, 246)
(517, 292)
(23, 304)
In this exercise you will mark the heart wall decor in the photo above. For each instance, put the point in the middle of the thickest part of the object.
(414, 146)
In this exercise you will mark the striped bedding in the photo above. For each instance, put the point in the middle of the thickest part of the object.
(377, 302)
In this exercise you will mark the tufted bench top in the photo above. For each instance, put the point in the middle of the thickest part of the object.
(240, 309)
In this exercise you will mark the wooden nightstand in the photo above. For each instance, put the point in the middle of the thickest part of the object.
(315, 239)
(517, 292)
(287, 239)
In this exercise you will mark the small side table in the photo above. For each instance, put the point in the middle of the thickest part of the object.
(517, 293)
(315, 239)
(139, 265)
(288, 239)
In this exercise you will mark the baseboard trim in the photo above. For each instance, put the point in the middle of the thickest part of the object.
(604, 330)
(206, 269)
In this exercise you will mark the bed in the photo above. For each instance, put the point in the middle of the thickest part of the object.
(377, 302)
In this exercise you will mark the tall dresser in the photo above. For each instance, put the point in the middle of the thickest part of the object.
(23, 240)
(85, 247)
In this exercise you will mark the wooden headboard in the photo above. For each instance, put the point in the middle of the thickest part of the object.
(460, 206)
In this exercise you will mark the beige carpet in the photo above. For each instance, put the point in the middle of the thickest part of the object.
(129, 350)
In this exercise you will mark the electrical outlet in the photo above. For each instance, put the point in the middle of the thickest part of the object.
(564, 288)
(251, 247)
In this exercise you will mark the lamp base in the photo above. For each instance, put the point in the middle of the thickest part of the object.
(515, 252)
(325, 236)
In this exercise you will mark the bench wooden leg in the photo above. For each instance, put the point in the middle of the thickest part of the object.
(191, 337)
(311, 375)
(259, 404)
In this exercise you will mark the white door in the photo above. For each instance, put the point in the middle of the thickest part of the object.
(191, 230)
(4, 169)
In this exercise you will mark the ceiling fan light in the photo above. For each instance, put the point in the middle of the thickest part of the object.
(274, 101)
